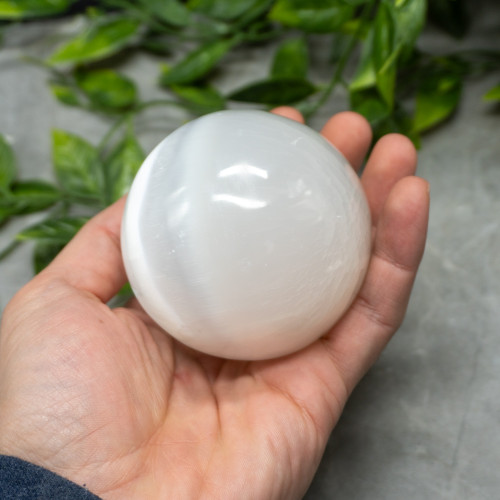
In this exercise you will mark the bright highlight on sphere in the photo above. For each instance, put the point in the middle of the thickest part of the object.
(246, 235)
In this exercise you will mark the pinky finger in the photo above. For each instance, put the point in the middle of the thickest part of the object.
(359, 338)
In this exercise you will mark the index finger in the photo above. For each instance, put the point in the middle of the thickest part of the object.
(351, 134)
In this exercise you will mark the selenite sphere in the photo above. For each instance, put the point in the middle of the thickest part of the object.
(246, 235)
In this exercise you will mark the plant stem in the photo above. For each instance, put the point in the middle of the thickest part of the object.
(57, 74)
(343, 60)
(9, 248)
(139, 13)
(156, 102)
(256, 37)
(116, 126)
(126, 119)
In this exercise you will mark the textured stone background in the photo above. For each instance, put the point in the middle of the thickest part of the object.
(425, 421)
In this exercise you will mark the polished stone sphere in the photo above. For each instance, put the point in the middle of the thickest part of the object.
(246, 235)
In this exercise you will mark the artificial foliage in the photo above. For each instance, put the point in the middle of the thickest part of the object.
(374, 55)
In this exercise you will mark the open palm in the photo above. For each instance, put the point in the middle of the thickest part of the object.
(105, 398)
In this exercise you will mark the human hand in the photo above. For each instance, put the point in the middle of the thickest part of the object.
(105, 398)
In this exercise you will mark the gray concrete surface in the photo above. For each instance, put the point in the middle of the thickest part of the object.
(425, 421)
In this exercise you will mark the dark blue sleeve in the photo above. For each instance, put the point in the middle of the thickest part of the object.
(20, 480)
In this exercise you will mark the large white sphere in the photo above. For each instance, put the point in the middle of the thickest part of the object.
(246, 235)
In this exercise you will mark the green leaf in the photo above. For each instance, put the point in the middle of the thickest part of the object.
(170, 11)
(29, 196)
(275, 91)
(122, 298)
(365, 75)
(369, 104)
(51, 236)
(156, 44)
(196, 64)
(59, 230)
(77, 166)
(256, 11)
(437, 98)
(8, 167)
(450, 15)
(291, 59)
(493, 94)
(314, 16)
(354, 3)
(106, 88)
(44, 253)
(5, 214)
(24, 9)
(200, 100)
(393, 34)
(341, 43)
(399, 122)
(100, 40)
(226, 10)
(409, 18)
(385, 52)
(65, 94)
(121, 166)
